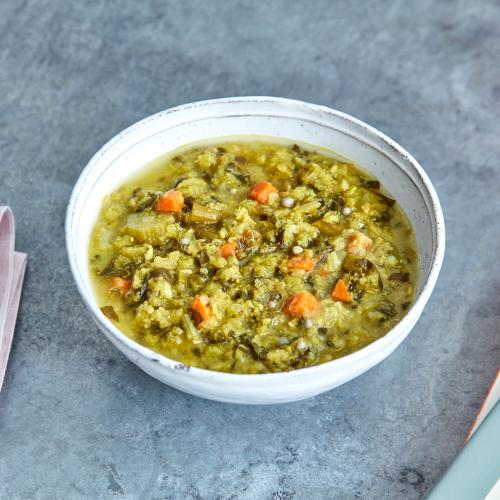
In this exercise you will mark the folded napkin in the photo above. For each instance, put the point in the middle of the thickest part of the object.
(12, 267)
(475, 472)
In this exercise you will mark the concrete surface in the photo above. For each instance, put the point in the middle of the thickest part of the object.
(77, 420)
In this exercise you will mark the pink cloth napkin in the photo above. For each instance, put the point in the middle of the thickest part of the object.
(12, 267)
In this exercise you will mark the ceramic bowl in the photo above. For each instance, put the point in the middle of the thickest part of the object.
(276, 119)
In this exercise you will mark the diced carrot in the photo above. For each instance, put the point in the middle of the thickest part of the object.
(302, 262)
(302, 304)
(120, 284)
(261, 191)
(171, 201)
(358, 244)
(340, 292)
(228, 249)
(202, 310)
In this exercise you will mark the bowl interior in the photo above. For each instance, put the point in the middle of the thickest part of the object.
(265, 119)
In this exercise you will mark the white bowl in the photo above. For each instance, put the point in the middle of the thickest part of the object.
(277, 118)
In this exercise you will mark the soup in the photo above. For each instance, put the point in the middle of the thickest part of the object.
(253, 257)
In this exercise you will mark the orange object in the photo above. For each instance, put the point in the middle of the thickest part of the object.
(228, 249)
(171, 201)
(302, 304)
(340, 292)
(202, 310)
(302, 262)
(261, 191)
(358, 244)
(121, 285)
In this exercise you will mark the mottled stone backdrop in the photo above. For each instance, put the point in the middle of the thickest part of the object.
(77, 420)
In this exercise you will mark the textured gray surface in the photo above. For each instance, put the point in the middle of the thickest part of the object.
(77, 420)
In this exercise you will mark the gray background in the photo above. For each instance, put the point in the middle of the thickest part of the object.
(77, 420)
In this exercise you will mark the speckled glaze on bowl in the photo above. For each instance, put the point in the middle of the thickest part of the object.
(280, 119)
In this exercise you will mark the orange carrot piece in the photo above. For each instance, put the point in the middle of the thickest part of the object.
(120, 284)
(302, 304)
(261, 191)
(202, 310)
(358, 244)
(228, 249)
(302, 262)
(171, 201)
(340, 292)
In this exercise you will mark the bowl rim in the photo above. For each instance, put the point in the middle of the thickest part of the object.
(400, 329)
